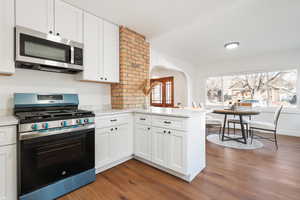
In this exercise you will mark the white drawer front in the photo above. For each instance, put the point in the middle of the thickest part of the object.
(107, 121)
(169, 122)
(143, 119)
(8, 135)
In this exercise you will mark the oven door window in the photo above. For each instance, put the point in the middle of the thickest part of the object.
(44, 49)
(48, 159)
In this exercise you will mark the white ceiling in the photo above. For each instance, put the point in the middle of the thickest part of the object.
(196, 30)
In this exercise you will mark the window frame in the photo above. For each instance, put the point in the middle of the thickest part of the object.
(249, 73)
(163, 81)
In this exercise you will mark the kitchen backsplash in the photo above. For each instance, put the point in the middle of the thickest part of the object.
(23, 81)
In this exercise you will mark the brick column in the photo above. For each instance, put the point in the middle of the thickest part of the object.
(134, 69)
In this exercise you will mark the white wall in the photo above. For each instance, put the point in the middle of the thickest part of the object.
(190, 71)
(290, 118)
(45, 82)
(180, 83)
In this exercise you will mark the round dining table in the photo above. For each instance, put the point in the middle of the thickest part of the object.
(235, 112)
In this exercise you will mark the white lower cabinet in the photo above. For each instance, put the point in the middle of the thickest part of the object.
(177, 151)
(169, 149)
(143, 141)
(112, 144)
(8, 172)
(159, 148)
(102, 147)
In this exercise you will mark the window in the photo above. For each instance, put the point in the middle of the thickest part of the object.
(261, 89)
(162, 95)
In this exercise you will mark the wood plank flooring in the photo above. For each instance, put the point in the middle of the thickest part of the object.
(263, 174)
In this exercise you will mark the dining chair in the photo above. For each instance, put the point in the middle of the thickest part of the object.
(236, 120)
(266, 127)
(211, 121)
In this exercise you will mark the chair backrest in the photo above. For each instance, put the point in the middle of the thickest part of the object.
(276, 115)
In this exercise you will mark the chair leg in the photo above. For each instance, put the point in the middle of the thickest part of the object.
(220, 131)
(275, 137)
(247, 130)
(228, 128)
(234, 128)
(251, 131)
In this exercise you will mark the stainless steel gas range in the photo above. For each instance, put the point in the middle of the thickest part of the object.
(56, 145)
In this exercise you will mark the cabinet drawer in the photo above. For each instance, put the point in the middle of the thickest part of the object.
(169, 122)
(8, 135)
(143, 119)
(113, 120)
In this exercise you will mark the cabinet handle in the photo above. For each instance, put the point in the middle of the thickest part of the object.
(148, 128)
(50, 32)
(57, 34)
(113, 120)
(169, 132)
(165, 131)
(166, 122)
(116, 128)
(143, 119)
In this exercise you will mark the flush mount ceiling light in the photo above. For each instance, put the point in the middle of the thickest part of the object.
(232, 45)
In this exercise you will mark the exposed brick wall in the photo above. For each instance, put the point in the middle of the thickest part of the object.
(134, 69)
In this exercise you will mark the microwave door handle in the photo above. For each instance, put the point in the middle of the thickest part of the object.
(72, 55)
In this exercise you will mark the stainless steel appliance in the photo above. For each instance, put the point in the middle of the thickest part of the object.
(47, 52)
(56, 145)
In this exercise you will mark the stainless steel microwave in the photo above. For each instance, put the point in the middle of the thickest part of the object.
(47, 52)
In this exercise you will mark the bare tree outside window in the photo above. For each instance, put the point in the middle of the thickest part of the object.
(262, 89)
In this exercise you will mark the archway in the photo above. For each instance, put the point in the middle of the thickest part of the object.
(181, 83)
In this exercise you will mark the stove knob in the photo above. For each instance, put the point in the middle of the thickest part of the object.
(64, 124)
(45, 125)
(34, 126)
(79, 121)
(86, 121)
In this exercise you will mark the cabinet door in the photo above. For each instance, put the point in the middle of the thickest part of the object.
(7, 37)
(93, 48)
(8, 172)
(116, 143)
(177, 147)
(111, 52)
(125, 137)
(143, 142)
(35, 14)
(102, 155)
(159, 148)
(68, 21)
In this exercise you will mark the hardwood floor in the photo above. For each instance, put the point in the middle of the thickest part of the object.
(263, 174)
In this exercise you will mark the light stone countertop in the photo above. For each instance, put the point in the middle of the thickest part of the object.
(8, 120)
(172, 112)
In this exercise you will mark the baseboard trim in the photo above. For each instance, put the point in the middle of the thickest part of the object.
(187, 178)
(113, 164)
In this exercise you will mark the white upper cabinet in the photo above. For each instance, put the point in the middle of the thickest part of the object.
(68, 21)
(35, 14)
(93, 48)
(52, 17)
(7, 37)
(101, 50)
(111, 52)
